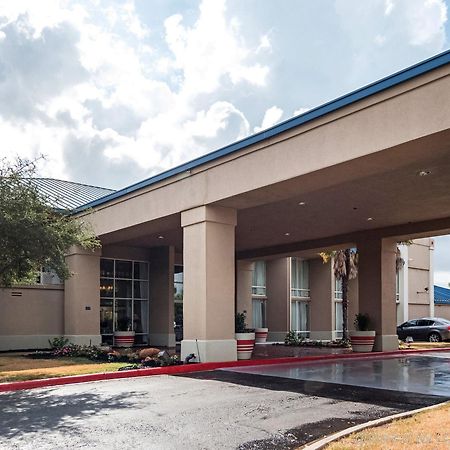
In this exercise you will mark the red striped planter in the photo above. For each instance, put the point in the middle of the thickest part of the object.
(362, 341)
(261, 335)
(123, 338)
(245, 345)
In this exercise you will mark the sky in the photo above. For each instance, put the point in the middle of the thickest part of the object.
(112, 92)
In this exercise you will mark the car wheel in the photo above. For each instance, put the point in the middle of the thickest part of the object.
(434, 337)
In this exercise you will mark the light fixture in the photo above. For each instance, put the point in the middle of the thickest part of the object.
(424, 173)
(160, 237)
(287, 234)
(301, 203)
(369, 219)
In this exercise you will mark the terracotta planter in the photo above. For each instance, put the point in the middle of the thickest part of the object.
(362, 341)
(245, 345)
(261, 335)
(123, 338)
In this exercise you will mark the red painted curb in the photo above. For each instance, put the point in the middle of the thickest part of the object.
(200, 367)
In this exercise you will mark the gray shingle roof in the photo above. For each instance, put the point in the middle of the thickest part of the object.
(66, 195)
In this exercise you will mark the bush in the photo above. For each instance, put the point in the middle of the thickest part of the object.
(58, 342)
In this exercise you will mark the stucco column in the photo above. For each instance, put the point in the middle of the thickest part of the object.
(209, 283)
(161, 305)
(244, 275)
(82, 297)
(377, 289)
(278, 289)
(322, 300)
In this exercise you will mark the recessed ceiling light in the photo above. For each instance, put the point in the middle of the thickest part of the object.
(160, 237)
(369, 219)
(301, 203)
(424, 173)
(287, 234)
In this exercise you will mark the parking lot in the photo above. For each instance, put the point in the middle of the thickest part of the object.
(220, 409)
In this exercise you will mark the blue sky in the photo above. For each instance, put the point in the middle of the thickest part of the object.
(115, 91)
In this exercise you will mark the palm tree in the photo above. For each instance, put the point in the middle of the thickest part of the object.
(345, 268)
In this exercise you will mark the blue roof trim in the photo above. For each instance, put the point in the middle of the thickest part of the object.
(441, 295)
(418, 69)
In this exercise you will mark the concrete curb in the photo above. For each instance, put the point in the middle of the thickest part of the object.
(200, 367)
(322, 443)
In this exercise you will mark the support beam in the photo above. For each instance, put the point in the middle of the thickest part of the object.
(82, 297)
(161, 314)
(209, 283)
(377, 289)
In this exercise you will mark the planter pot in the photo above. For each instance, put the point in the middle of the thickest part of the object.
(261, 335)
(245, 345)
(123, 338)
(362, 341)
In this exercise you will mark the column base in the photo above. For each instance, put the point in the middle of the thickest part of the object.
(322, 335)
(210, 350)
(162, 339)
(385, 343)
(84, 339)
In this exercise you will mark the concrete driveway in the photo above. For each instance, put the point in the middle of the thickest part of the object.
(209, 410)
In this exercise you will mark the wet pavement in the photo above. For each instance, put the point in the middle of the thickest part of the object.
(422, 373)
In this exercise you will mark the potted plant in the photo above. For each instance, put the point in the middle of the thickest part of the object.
(245, 337)
(124, 336)
(363, 338)
(261, 335)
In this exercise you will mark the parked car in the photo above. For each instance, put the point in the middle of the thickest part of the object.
(432, 329)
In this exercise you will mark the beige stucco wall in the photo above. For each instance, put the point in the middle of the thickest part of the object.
(442, 311)
(321, 284)
(278, 290)
(29, 320)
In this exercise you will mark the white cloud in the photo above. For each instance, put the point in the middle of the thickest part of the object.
(271, 117)
(119, 107)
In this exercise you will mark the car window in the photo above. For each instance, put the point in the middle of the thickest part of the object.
(425, 323)
(410, 323)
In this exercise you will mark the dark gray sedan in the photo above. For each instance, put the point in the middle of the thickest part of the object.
(432, 329)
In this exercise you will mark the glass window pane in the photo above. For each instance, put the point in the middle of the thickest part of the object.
(141, 289)
(140, 318)
(107, 268)
(259, 278)
(300, 316)
(124, 269)
(140, 271)
(123, 319)
(106, 287)
(339, 316)
(106, 316)
(123, 288)
(259, 313)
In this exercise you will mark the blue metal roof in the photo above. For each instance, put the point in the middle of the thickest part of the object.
(67, 195)
(418, 69)
(441, 295)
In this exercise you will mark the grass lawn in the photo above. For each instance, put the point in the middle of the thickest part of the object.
(428, 430)
(17, 367)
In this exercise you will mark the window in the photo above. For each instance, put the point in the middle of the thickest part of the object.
(300, 317)
(300, 296)
(259, 279)
(259, 313)
(259, 295)
(299, 278)
(178, 299)
(47, 276)
(124, 299)
(338, 311)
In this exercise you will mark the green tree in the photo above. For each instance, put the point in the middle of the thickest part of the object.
(32, 233)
